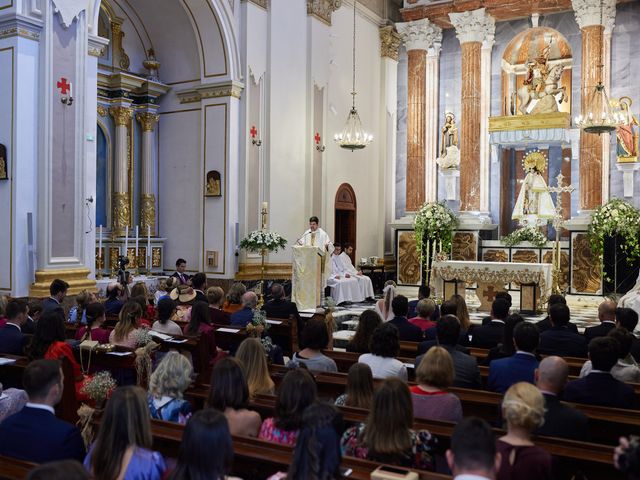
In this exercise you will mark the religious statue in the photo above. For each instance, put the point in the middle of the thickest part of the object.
(451, 159)
(627, 133)
(541, 84)
(3, 163)
(213, 184)
(449, 153)
(534, 205)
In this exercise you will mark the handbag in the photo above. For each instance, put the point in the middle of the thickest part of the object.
(90, 346)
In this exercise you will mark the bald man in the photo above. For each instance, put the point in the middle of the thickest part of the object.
(560, 420)
(244, 316)
(607, 317)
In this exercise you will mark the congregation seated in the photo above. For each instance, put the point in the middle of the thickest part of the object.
(12, 340)
(122, 448)
(114, 302)
(95, 317)
(77, 313)
(200, 324)
(369, 320)
(407, 331)
(559, 339)
(545, 324)
(279, 306)
(296, 392)
(454, 306)
(57, 291)
(253, 357)
(140, 291)
(434, 375)
(626, 369)
(490, 334)
(560, 420)
(183, 296)
(505, 348)
(521, 366)
(423, 292)
(387, 436)
(35, 434)
(199, 283)
(467, 374)
(206, 449)
(359, 389)
(147, 319)
(127, 330)
(523, 412)
(59, 470)
(505, 296)
(167, 384)
(627, 318)
(385, 346)
(35, 310)
(599, 387)
(425, 311)
(473, 454)
(12, 400)
(163, 289)
(607, 317)
(3, 310)
(244, 316)
(229, 394)
(315, 338)
(233, 301)
(215, 296)
(165, 310)
(383, 306)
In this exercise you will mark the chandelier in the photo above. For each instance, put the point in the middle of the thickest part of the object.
(353, 136)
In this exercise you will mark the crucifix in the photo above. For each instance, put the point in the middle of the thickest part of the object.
(558, 223)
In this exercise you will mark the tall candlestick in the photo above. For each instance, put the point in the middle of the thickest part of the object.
(126, 239)
(428, 244)
(137, 240)
(100, 243)
(265, 206)
(148, 263)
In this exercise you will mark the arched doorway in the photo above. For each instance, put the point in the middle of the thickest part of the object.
(345, 217)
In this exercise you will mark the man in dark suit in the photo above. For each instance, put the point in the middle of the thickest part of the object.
(521, 366)
(181, 266)
(243, 317)
(545, 324)
(57, 290)
(467, 374)
(559, 340)
(11, 338)
(199, 283)
(628, 318)
(114, 303)
(35, 434)
(35, 310)
(408, 331)
(599, 387)
(607, 317)
(473, 454)
(560, 420)
(489, 335)
(507, 297)
(279, 306)
(448, 307)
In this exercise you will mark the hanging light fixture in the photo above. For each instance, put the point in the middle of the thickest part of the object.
(599, 117)
(353, 136)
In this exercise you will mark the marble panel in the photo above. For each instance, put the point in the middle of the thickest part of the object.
(401, 138)
(408, 268)
(585, 268)
(465, 246)
(495, 255)
(547, 257)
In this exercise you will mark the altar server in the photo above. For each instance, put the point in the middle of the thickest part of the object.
(364, 282)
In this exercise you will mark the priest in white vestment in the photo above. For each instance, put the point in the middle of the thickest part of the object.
(317, 237)
(344, 288)
(364, 282)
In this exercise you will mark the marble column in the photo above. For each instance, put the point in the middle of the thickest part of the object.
(592, 16)
(418, 37)
(121, 214)
(485, 113)
(472, 29)
(148, 122)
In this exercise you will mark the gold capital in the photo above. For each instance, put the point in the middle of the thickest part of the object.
(148, 213)
(148, 120)
(102, 111)
(121, 115)
(121, 214)
(322, 9)
(389, 42)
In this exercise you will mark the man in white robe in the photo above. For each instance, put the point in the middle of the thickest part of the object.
(364, 282)
(344, 288)
(317, 237)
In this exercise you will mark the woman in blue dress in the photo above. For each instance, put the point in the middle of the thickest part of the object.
(166, 388)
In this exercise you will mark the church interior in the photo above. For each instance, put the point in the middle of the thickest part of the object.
(435, 164)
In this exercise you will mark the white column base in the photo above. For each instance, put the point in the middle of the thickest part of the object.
(627, 170)
(450, 190)
(476, 221)
(579, 223)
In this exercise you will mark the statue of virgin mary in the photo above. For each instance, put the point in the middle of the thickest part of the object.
(534, 206)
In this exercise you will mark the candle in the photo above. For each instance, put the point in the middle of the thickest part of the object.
(428, 243)
(126, 239)
(100, 243)
(70, 90)
(440, 247)
(265, 205)
(137, 240)
(148, 246)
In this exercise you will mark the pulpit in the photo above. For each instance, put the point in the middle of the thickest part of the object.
(307, 282)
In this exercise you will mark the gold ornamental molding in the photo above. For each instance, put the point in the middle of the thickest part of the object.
(121, 213)
(148, 120)
(102, 111)
(148, 213)
(75, 277)
(322, 9)
(530, 122)
(203, 92)
(389, 42)
(121, 115)
(273, 271)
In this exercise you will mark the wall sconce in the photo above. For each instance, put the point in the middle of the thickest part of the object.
(66, 89)
(254, 133)
(317, 139)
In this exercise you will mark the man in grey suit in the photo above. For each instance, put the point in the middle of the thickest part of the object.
(466, 366)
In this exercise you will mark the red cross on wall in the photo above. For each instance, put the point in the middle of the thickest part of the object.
(317, 138)
(253, 132)
(63, 85)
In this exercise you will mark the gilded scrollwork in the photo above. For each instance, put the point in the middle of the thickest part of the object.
(148, 120)
(121, 212)
(156, 257)
(148, 213)
(389, 42)
(121, 115)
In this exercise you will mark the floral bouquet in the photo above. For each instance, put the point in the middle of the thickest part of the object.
(99, 387)
(257, 328)
(434, 221)
(143, 337)
(260, 240)
(616, 218)
(526, 234)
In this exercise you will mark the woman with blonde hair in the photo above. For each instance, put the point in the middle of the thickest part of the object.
(253, 358)
(430, 398)
(387, 436)
(359, 392)
(128, 327)
(77, 314)
(383, 306)
(122, 449)
(523, 412)
(166, 389)
(233, 302)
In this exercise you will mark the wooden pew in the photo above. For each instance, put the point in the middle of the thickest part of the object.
(14, 469)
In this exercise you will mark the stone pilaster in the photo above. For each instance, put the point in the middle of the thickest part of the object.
(148, 122)
(121, 215)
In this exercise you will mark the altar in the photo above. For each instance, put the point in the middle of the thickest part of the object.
(533, 279)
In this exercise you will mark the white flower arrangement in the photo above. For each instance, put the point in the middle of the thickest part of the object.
(526, 234)
(259, 240)
(616, 218)
(434, 221)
